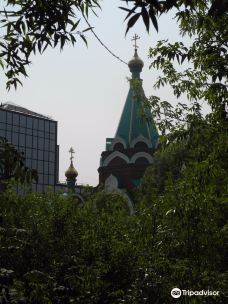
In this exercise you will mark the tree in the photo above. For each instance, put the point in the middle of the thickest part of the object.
(53, 251)
(31, 26)
(12, 165)
(186, 185)
(150, 9)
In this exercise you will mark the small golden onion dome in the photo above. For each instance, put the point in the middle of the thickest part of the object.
(136, 62)
(71, 172)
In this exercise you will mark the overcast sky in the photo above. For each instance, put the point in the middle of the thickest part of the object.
(84, 89)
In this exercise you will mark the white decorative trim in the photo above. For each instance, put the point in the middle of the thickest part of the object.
(113, 155)
(117, 140)
(131, 118)
(111, 183)
(141, 154)
(141, 138)
(80, 198)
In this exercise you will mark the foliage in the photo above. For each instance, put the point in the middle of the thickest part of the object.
(150, 9)
(53, 251)
(31, 26)
(12, 164)
(186, 187)
(205, 79)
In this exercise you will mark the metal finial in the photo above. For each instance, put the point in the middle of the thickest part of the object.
(71, 153)
(135, 38)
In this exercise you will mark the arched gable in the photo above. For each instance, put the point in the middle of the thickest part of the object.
(117, 140)
(141, 138)
(141, 155)
(114, 155)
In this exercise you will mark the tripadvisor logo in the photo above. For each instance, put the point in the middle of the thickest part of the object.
(177, 293)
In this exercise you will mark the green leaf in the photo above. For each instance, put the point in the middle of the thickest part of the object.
(146, 19)
(132, 21)
(153, 18)
(75, 25)
(84, 39)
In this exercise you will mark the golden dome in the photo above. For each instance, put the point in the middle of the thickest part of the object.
(71, 172)
(136, 61)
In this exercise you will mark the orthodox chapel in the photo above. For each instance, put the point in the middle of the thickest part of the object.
(130, 151)
(122, 164)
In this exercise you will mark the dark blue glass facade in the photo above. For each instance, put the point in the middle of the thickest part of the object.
(36, 137)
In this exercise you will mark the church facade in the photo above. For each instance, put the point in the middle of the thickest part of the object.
(130, 152)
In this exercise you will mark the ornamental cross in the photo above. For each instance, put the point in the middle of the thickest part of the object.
(135, 38)
(71, 153)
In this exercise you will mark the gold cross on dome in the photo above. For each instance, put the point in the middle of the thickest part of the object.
(71, 153)
(135, 38)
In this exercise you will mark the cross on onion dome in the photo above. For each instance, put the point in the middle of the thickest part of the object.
(71, 153)
(135, 38)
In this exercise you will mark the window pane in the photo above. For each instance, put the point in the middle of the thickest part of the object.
(41, 125)
(29, 141)
(41, 133)
(40, 154)
(35, 123)
(29, 131)
(22, 121)
(51, 168)
(46, 144)
(52, 136)
(51, 179)
(34, 153)
(40, 167)
(46, 155)
(2, 133)
(2, 116)
(22, 130)
(15, 129)
(22, 140)
(9, 127)
(45, 179)
(47, 126)
(8, 136)
(41, 179)
(34, 164)
(29, 122)
(9, 117)
(52, 156)
(15, 139)
(40, 143)
(16, 119)
(28, 153)
(46, 167)
(52, 145)
(52, 127)
(34, 142)
(28, 163)
(2, 126)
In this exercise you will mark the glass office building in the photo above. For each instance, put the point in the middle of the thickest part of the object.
(36, 136)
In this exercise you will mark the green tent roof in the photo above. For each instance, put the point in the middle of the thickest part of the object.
(136, 120)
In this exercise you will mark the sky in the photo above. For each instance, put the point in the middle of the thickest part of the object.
(84, 88)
